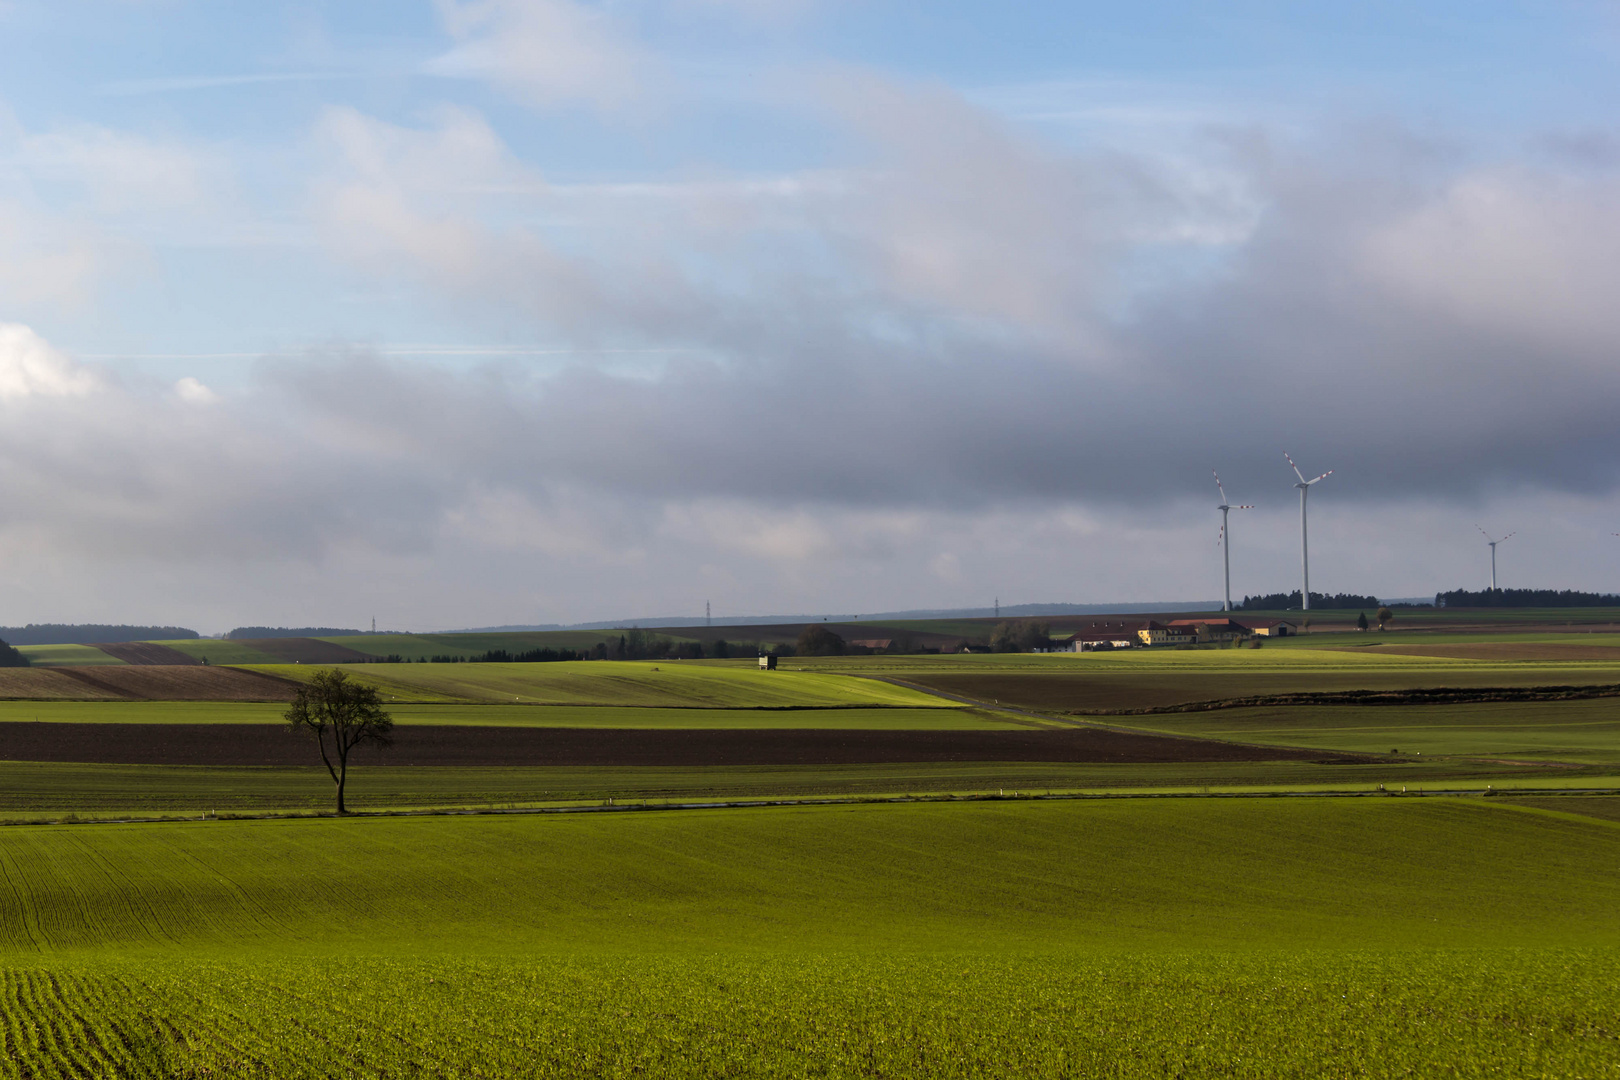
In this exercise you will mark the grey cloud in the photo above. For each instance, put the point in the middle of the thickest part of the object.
(1350, 322)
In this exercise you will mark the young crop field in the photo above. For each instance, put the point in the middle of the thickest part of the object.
(1578, 731)
(665, 683)
(1498, 1013)
(978, 877)
(1129, 939)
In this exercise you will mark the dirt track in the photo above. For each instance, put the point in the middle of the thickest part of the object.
(266, 744)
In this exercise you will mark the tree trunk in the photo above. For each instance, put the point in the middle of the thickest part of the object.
(343, 775)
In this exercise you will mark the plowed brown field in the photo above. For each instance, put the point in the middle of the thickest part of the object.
(299, 650)
(137, 682)
(264, 744)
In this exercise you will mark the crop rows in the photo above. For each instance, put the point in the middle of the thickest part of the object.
(1484, 1014)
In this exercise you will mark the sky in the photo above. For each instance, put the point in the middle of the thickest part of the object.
(484, 312)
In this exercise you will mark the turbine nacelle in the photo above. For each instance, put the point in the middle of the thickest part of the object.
(1224, 505)
(1304, 483)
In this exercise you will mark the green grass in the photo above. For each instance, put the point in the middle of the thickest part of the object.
(654, 684)
(606, 716)
(1299, 938)
(65, 655)
(1579, 731)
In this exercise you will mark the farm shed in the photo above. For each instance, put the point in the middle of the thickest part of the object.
(1277, 629)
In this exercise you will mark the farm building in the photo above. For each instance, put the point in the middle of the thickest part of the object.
(1277, 629)
(1104, 635)
(1156, 633)
(880, 644)
(1212, 629)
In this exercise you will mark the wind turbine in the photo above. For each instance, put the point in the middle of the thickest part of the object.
(1225, 538)
(1304, 486)
(1493, 544)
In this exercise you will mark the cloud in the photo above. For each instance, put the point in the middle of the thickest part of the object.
(543, 52)
(194, 392)
(120, 172)
(29, 367)
(958, 359)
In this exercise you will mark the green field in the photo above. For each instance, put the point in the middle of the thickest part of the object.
(1494, 1014)
(427, 646)
(665, 683)
(65, 655)
(220, 652)
(978, 877)
(1165, 934)
(1579, 731)
(1279, 938)
(608, 716)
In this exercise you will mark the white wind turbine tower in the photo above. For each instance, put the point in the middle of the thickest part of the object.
(1493, 544)
(1225, 539)
(1304, 486)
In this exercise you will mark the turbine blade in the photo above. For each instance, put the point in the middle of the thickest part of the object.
(1249, 507)
(1483, 533)
(1324, 476)
(1291, 465)
(1220, 537)
(1218, 486)
(1509, 535)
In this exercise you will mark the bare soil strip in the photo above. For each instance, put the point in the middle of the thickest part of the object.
(197, 682)
(1436, 695)
(50, 684)
(301, 650)
(144, 652)
(1504, 651)
(267, 744)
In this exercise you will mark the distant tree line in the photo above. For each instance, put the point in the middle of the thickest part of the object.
(261, 632)
(1283, 601)
(1566, 598)
(90, 633)
(1020, 635)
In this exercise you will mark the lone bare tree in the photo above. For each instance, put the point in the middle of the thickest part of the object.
(340, 715)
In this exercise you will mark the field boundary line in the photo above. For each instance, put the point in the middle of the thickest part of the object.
(610, 807)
